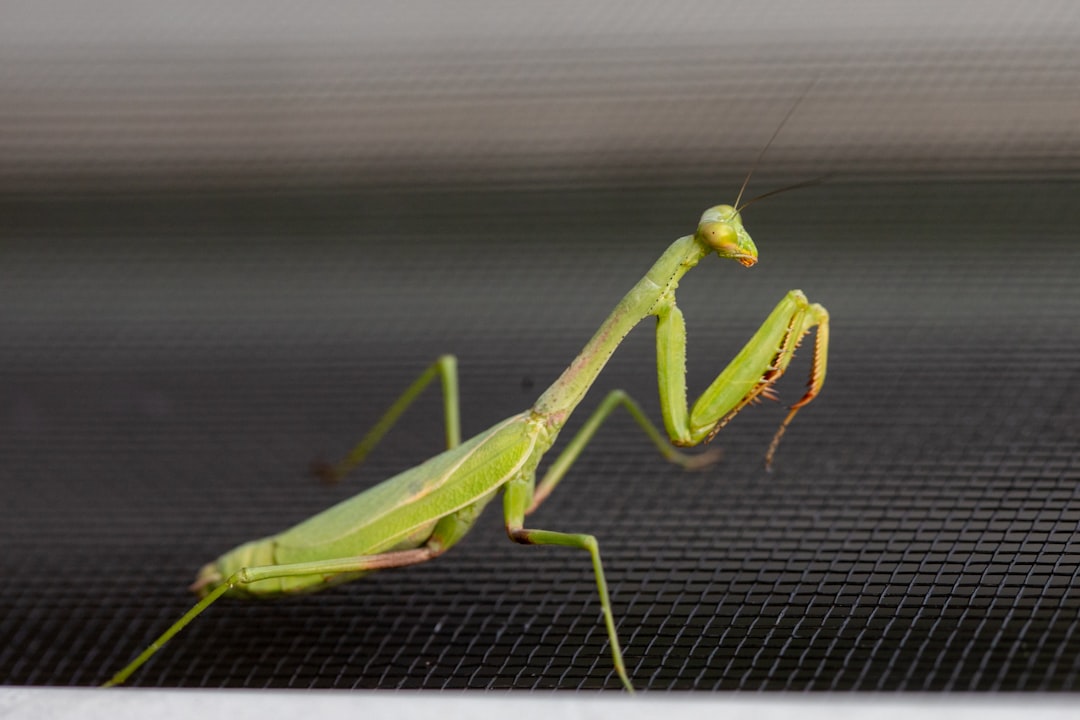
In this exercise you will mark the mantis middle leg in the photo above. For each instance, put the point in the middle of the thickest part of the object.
(570, 453)
(516, 501)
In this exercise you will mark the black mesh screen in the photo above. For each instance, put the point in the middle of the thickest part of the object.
(170, 366)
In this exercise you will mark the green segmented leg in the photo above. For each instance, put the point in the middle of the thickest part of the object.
(447, 532)
(516, 500)
(445, 367)
(749, 376)
(246, 576)
(614, 399)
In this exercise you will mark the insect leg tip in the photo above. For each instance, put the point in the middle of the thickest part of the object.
(324, 471)
(704, 460)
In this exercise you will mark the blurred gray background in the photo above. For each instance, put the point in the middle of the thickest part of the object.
(144, 95)
(231, 234)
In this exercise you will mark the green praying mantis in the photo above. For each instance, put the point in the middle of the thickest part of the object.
(421, 513)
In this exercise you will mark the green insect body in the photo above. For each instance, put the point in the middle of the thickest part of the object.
(401, 513)
(422, 512)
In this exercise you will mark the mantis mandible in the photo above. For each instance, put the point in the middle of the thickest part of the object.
(421, 513)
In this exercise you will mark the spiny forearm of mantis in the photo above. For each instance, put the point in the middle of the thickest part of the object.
(419, 514)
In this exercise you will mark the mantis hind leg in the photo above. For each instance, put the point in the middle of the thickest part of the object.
(750, 376)
(446, 533)
(445, 367)
(246, 576)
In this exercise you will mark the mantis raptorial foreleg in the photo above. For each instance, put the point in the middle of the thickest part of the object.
(749, 376)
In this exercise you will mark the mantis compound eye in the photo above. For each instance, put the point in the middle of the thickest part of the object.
(718, 235)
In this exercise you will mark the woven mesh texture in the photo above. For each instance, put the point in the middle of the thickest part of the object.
(170, 366)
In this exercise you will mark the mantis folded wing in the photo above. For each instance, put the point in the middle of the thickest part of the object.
(421, 513)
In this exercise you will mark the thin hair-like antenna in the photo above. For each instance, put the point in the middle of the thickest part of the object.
(757, 161)
(805, 183)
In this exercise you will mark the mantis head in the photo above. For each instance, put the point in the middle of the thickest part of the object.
(721, 229)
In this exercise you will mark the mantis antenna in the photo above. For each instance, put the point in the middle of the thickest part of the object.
(757, 161)
(805, 183)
